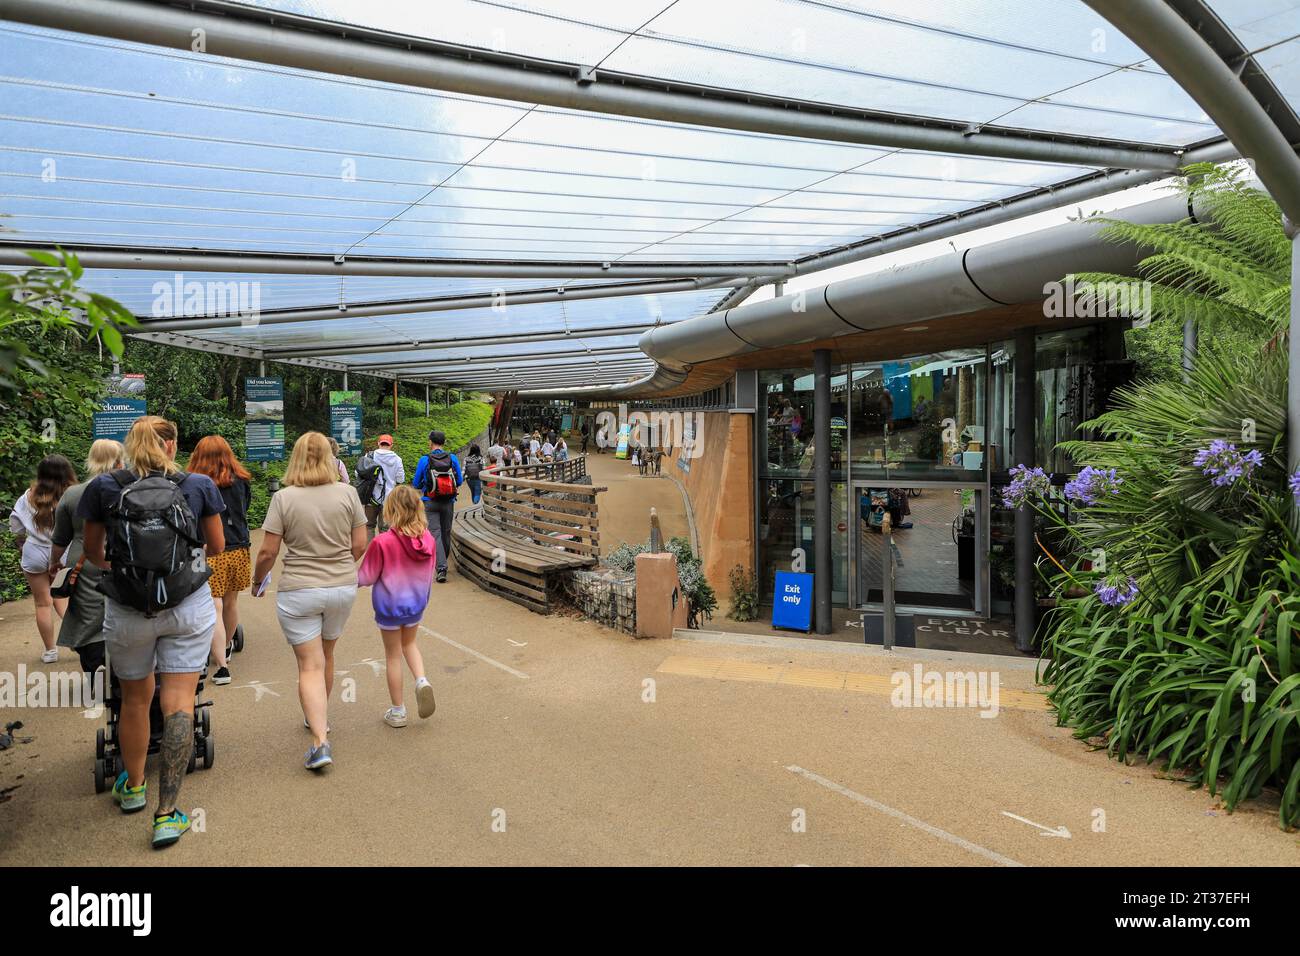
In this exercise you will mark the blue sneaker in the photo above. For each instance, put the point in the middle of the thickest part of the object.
(167, 830)
(130, 799)
(319, 757)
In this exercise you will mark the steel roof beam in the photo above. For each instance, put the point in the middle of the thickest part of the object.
(270, 36)
(557, 335)
(500, 300)
(464, 360)
(189, 260)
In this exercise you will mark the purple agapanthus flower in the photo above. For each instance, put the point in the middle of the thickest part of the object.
(1093, 484)
(1026, 484)
(1114, 593)
(1224, 464)
(1295, 487)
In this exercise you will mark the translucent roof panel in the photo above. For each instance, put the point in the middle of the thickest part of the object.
(1051, 65)
(171, 295)
(465, 354)
(110, 143)
(1269, 29)
(561, 318)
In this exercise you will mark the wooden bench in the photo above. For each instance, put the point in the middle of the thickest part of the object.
(527, 531)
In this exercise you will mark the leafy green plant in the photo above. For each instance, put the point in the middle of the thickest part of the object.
(744, 594)
(1181, 649)
(49, 381)
(1233, 281)
(46, 297)
(701, 600)
(623, 558)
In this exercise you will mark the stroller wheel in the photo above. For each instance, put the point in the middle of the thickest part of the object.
(238, 642)
(209, 752)
(205, 723)
(101, 775)
(193, 759)
(99, 744)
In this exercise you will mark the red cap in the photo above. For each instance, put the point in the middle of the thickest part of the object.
(385, 440)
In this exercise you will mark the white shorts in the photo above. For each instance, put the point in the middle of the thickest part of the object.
(35, 557)
(307, 613)
(174, 641)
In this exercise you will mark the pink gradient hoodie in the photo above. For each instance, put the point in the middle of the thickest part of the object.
(400, 568)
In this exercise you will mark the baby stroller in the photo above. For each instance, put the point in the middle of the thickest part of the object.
(877, 501)
(108, 752)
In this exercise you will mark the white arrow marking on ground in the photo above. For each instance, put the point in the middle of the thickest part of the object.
(1060, 831)
(904, 817)
(469, 650)
(517, 644)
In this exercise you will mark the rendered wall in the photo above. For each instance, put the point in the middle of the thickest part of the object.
(720, 485)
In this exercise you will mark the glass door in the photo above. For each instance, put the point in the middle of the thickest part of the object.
(940, 530)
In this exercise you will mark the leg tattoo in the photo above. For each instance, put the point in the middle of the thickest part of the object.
(174, 753)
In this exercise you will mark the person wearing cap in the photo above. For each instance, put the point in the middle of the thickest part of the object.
(438, 478)
(391, 474)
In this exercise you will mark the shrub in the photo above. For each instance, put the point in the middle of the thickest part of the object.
(1181, 648)
(744, 594)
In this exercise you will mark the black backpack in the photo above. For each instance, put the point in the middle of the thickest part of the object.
(153, 542)
(473, 466)
(367, 478)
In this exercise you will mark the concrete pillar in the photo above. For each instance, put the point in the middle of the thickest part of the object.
(823, 572)
(426, 399)
(1026, 605)
(1189, 347)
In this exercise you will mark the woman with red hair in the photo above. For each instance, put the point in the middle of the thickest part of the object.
(232, 568)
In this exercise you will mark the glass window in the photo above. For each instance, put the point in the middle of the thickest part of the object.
(786, 441)
(921, 417)
(786, 514)
(1067, 365)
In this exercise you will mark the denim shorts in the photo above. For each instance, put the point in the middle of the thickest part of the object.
(307, 613)
(175, 641)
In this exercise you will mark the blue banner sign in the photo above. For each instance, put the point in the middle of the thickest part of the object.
(264, 418)
(119, 409)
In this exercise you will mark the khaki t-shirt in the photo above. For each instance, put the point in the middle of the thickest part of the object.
(316, 524)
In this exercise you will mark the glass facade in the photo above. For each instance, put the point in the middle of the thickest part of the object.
(921, 417)
(928, 439)
(786, 446)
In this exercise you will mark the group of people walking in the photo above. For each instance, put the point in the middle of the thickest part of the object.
(144, 563)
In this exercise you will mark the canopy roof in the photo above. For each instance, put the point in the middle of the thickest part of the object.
(461, 230)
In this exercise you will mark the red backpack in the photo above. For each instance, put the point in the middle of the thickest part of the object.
(440, 479)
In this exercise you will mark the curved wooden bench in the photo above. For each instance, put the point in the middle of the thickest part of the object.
(524, 534)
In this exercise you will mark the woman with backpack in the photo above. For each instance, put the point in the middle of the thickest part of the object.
(148, 528)
(32, 522)
(473, 468)
(322, 526)
(231, 569)
(83, 621)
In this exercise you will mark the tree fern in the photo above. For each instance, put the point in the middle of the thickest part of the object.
(1197, 666)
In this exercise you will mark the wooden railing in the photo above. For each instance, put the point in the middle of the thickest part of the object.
(553, 514)
(571, 469)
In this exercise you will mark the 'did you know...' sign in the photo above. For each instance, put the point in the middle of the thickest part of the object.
(792, 601)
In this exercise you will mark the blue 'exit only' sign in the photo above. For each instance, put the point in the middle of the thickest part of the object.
(792, 601)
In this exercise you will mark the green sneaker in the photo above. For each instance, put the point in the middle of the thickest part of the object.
(130, 799)
(167, 830)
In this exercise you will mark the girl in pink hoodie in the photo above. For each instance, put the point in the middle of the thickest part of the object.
(399, 564)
